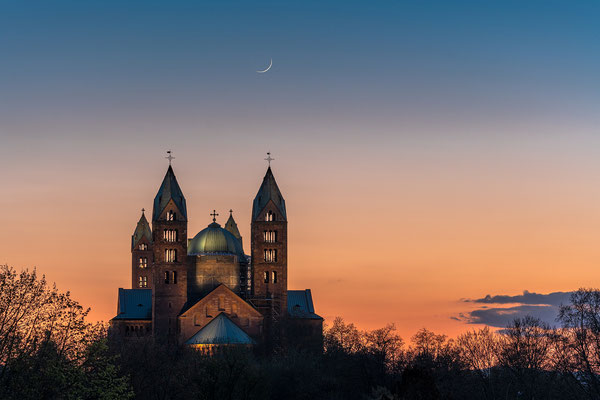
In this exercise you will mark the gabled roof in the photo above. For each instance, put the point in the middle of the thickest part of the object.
(220, 330)
(134, 304)
(169, 190)
(141, 230)
(300, 304)
(221, 289)
(268, 192)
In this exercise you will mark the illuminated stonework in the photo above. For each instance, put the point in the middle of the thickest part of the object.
(205, 292)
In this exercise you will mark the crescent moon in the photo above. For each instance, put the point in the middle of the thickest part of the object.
(268, 68)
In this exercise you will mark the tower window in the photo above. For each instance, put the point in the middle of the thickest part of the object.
(171, 216)
(166, 277)
(174, 276)
(270, 236)
(266, 276)
(270, 255)
(143, 281)
(270, 216)
(274, 276)
(143, 262)
(143, 246)
(170, 235)
(171, 255)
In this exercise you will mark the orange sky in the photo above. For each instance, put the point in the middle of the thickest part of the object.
(395, 232)
(428, 152)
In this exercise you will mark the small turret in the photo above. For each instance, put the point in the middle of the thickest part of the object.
(141, 255)
(232, 227)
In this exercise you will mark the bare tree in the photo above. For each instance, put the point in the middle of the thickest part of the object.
(581, 323)
(478, 349)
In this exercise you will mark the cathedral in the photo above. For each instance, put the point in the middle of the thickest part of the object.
(206, 292)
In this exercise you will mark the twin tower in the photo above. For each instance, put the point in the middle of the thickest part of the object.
(205, 291)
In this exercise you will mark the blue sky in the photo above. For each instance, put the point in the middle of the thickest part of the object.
(461, 134)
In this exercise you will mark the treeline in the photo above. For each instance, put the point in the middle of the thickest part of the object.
(49, 351)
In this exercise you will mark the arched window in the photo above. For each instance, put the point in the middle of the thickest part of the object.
(166, 277)
(274, 274)
(170, 255)
(174, 276)
(143, 246)
(266, 276)
(171, 216)
(170, 235)
(143, 281)
(270, 255)
(143, 262)
(270, 216)
(270, 236)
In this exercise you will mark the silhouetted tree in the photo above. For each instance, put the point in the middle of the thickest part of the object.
(580, 351)
(47, 349)
(478, 350)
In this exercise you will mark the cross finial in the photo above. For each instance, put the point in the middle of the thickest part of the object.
(230, 212)
(214, 215)
(143, 209)
(269, 159)
(169, 157)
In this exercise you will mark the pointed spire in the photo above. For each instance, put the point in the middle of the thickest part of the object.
(169, 190)
(141, 230)
(269, 191)
(232, 227)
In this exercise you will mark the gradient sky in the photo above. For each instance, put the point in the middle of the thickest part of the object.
(428, 151)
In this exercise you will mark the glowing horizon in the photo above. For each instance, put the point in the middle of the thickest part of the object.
(427, 153)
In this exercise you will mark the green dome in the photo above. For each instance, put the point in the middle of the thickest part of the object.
(215, 239)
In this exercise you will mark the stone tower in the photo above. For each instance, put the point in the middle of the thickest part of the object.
(169, 244)
(269, 250)
(141, 255)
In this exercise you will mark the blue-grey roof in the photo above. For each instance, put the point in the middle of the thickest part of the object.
(141, 230)
(300, 304)
(134, 304)
(268, 191)
(169, 189)
(215, 240)
(221, 330)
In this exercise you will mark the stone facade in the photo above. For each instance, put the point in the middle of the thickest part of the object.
(191, 282)
(221, 300)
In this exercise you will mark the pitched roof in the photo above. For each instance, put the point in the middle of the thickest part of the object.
(141, 230)
(169, 190)
(220, 289)
(268, 191)
(300, 304)
(220, 330)
(134, 304)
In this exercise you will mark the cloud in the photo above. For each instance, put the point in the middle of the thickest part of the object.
(542, 306)
(554, 298)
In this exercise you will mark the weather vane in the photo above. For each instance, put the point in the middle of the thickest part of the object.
(269, 159)
(169, 157)
(214, 215)
(230, 212)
